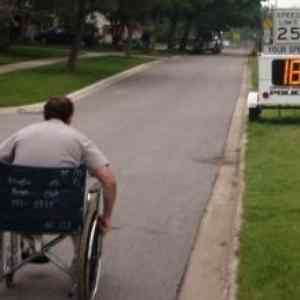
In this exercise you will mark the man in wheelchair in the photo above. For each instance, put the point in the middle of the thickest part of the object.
(53, 146)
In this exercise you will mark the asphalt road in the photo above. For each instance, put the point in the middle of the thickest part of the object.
(164, 131)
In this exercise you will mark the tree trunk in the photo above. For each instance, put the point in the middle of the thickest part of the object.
(156, 30)
(129, 40)
(172, 33)
(117, 35)
(186, 34)
(114, 33)
(5, 40)
(23, 28)
(79, 30)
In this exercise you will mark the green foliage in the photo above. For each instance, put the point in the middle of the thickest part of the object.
(199, 15)
(182, 17)
(126, 9)
(223, 14)
(254, 72)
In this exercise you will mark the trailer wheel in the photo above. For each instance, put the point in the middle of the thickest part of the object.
(254, 113)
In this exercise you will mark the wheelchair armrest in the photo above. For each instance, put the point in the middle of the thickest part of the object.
(94, 188)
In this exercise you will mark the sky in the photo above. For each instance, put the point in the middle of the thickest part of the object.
(286, 3)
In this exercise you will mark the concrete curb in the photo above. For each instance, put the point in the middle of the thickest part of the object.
(80, 94)
(211, 273)
(237, 222)
(235, 251)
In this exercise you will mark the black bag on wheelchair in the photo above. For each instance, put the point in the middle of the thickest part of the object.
(38, 201)
(41, 200)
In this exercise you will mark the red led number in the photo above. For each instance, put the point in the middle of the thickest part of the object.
(292, 72)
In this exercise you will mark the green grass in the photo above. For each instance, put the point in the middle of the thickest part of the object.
(31, 86)
(38, 52)
(254, 71)
(8, 59)
(22, 53)
(270, 237)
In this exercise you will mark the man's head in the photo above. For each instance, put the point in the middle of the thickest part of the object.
(61, 108)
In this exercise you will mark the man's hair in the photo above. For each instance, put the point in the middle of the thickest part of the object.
(61, 108)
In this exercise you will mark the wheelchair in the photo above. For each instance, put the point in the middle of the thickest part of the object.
(53, 203)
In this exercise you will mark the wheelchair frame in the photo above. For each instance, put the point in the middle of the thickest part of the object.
(89, 263)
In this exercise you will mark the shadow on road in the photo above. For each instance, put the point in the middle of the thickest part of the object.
(37, 283)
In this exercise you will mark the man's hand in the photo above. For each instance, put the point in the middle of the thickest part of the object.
(104, 224)
(109, 185)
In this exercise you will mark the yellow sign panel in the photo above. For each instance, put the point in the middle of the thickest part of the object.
(267, 24)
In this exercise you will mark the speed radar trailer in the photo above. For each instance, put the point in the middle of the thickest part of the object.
(278, 64)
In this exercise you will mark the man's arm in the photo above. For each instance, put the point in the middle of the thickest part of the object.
(109, 184)
(99, 167)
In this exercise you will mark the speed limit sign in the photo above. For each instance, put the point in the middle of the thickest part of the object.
(286, 26)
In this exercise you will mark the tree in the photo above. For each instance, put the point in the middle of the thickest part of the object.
(5, 20)
(73, 16)
(181, 12)
(222, 14)
(192, 9)
(80, 15)
(8, 9)
(125, 14)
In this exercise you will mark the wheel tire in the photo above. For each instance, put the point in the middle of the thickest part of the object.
(94, 264)
(1, 254)
(9, 281)
(13, 258)
(216, 50)
(90, 263)
(254, 113)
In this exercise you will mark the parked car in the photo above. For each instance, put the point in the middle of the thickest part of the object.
(209, 41)
(62, 37)
(226, 43)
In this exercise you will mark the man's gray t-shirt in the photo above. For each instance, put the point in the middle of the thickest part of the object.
(51, 144)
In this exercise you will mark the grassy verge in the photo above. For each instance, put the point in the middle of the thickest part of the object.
(254, 72)
(31, 86)
(22, 53)
(270, 244)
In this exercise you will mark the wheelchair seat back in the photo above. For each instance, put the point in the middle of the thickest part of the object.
(41, 200)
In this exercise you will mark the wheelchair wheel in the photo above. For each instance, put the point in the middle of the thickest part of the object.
(14, 240)
(9, 250)
(1, 254)
(90, 259)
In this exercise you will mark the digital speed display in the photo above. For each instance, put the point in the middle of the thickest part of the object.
(286, 72)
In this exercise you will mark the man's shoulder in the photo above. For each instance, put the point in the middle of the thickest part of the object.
(34, 126)
(51, 127)
(46, 127)
(77, 134)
